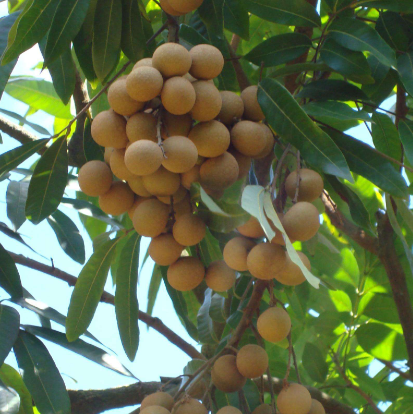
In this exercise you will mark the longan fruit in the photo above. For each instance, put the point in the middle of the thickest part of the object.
(136, 185)
(248, 138)
(219, 276)
(143, 62)
(107, 154)
(144, 83)
(159, 398)
(232, 107)
(208, 101)
(143, 157)
(191, 176)
(173, 125)
(207, 60)
(186, 273)
(120, 101)
(301, 221)
(274, 324)
(190, 406)
(189, 230)
(162, 182)
(109, 129)
(244, 162)
(225, 375)
(252, 361)
(210, 138)
(292, 275)
(263, 409)
(171, 59)
(166, 7)
(316, 407)
(135, 205)
(117, 200)
(141, 126)
(229, 410)
(220, 172)
(185, 6)
(178, 196)
(155, 409)
(269, 142)
(294, 399)
(265, 260)
(252, 228)
(150, 218)
(310, 186)
(118, 166)
(252, 109)
(164, 249)
(236, 251)
(181, 154)
(95, 178)
(178, 95)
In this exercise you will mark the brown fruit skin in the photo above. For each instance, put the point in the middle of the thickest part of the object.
(178, 96)
(191, 176)
(144, 83)
(178, 196)
(143, 157)
(185, 6)
(138, 200)
(274, 324)
(143, 62)
(295, 399)
(190, 406)
(219, 276)
(252, 228)
(252, 361)
(171, 59)
(232, 107)
(141, 126)
(208, 101)
(173, 125)
(150, 218)
(316, 407)
(120, 101)
(248, 138)
(95, 178)
(186, 273)
(301, 221)
(265, 260)
(207, 61)
(168, 9)
(159, 398)
(263, 409)
(189, 230)
(310, 187)
(162, 182)
(136, 185)
(244, 162)
(210, 138)
(118, 166)
(269, 145)
(155, 409)
(117, 200)
(220, 172)
(109, 129)
(164, 250)
(225, 375)
(181, 154)
(292, 275)
(236, 252)
(252, 109)
(108, 153)
(183, 207)
(229, 410)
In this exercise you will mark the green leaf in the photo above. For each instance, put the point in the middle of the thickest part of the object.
(92, 150)
(290, 13)
(395, 5)
(357, 35)
(217, 308)
(24, 121)
(9, 400)
(153, 289)
(298, 68)
(391, 27)
(287, 119)
(406, 137)
(314, 362)
(210, 249)
(190, 36)
(68, 236)
(405, 69)
(236, 18)
(9, 275)
(126, 302)
(9, 329)
(334, 110)
(206, 331)
(88, 290)
(82, 45)
(48, 182)
(405, 212)
(107, 31)
(279, 49)
(41, 375)
(66, 23)
(16, 196)
(382, 308)
(211, 13)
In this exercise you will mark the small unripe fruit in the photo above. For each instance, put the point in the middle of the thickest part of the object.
(301, 221)
(109, 129)
(219, 277)
(168, 9)
(252, 361)
(229, 410)
(252, 228)
(95, 178)
(108, 153)
(294, 399)
(236, 252)
(143, 157)
(117, 200)
(171, 59)
(190, 406)
(178, 196)
(232, 107)
(191, 176)
(118, 166)
(208, 101)
(143, 62)
(173, 125)
(141, 126)
(159, 398)
(185, 6)
(225, 375)
(244, 162)
(189, 230)
(150, 218)
(144, 83)
(162, 182)
(186, 273)
(207, 61)
(136, 185)
(120, 101)
(274, 324)
(210, 138)
(292, 275)
(155, 409)
(220, 172)
(252, 109)
(178, 96)
(269, 142)
(310, 185)
(263, 409)
(181, 154)
(248, 138)
(265, 260)
(164, 250)
(316, 407)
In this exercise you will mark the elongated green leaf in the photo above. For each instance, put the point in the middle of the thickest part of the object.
(391, 27)
(126, 301)
(217, 308)
(41, 375)
(334, 110)
(153, 289)
(9, 275)
(206, 331)
(406, 137)
(394, 5)
(236, 18)
(357, 35)
(405, 69)
(24, 121)
(48, 182)
(190, 36)
(314, 362)
(9, 400)
(16, 196)
(88, 290)
(287, 119)
(82, 45)
(107, 31)
(9, 329)
(14, 235)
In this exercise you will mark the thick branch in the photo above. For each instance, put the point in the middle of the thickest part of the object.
(16, 131)
(395, 369)
(242, 79)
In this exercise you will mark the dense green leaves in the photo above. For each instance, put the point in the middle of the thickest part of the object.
(9, 329)
(314, 362)
(9, 276)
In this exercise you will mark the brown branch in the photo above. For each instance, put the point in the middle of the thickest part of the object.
(393, 368)
(16, 131)
(242, 78)
(154, 323)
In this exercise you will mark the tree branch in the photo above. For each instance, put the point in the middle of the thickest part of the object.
(242, 79)
(395, 369)
(16, 131)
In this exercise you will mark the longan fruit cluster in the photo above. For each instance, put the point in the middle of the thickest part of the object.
(162, 403)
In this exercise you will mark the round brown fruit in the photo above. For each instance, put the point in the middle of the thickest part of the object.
(143, 62)
(191, 176)
(229, 410)
(136, 185)
(225, 375)
(294, 399)
(180, 154)
(178, 96)
(171, 59)
(108, 153)
(141, 126)
(109, 129)
(274, 324)
(210, 138)
(244, 162)
(118, 200)
(220, 172)
(143, 157)
(292, 275)
(159, 398)
(155, 409)
(135, 205)
(166, 7)
(236, 252)
(173, 125)
(252, 361)
(232, 107)
(150, 218)
(269, 142)
(208, 101)
(310, 187)
(185, 6)
(219, 276)
(95, 178)
(164, 250)
(316, 407)
(263, 409)
(189, 230)
(252, 228)
(252, 109)
(248, 138)
(118, 166)
(190, 406)
(301, 221)
(207, 61)
(162, 182)
(186, 273)
(177, 197)
(144, 83)
(120, 101)
(265, 260)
